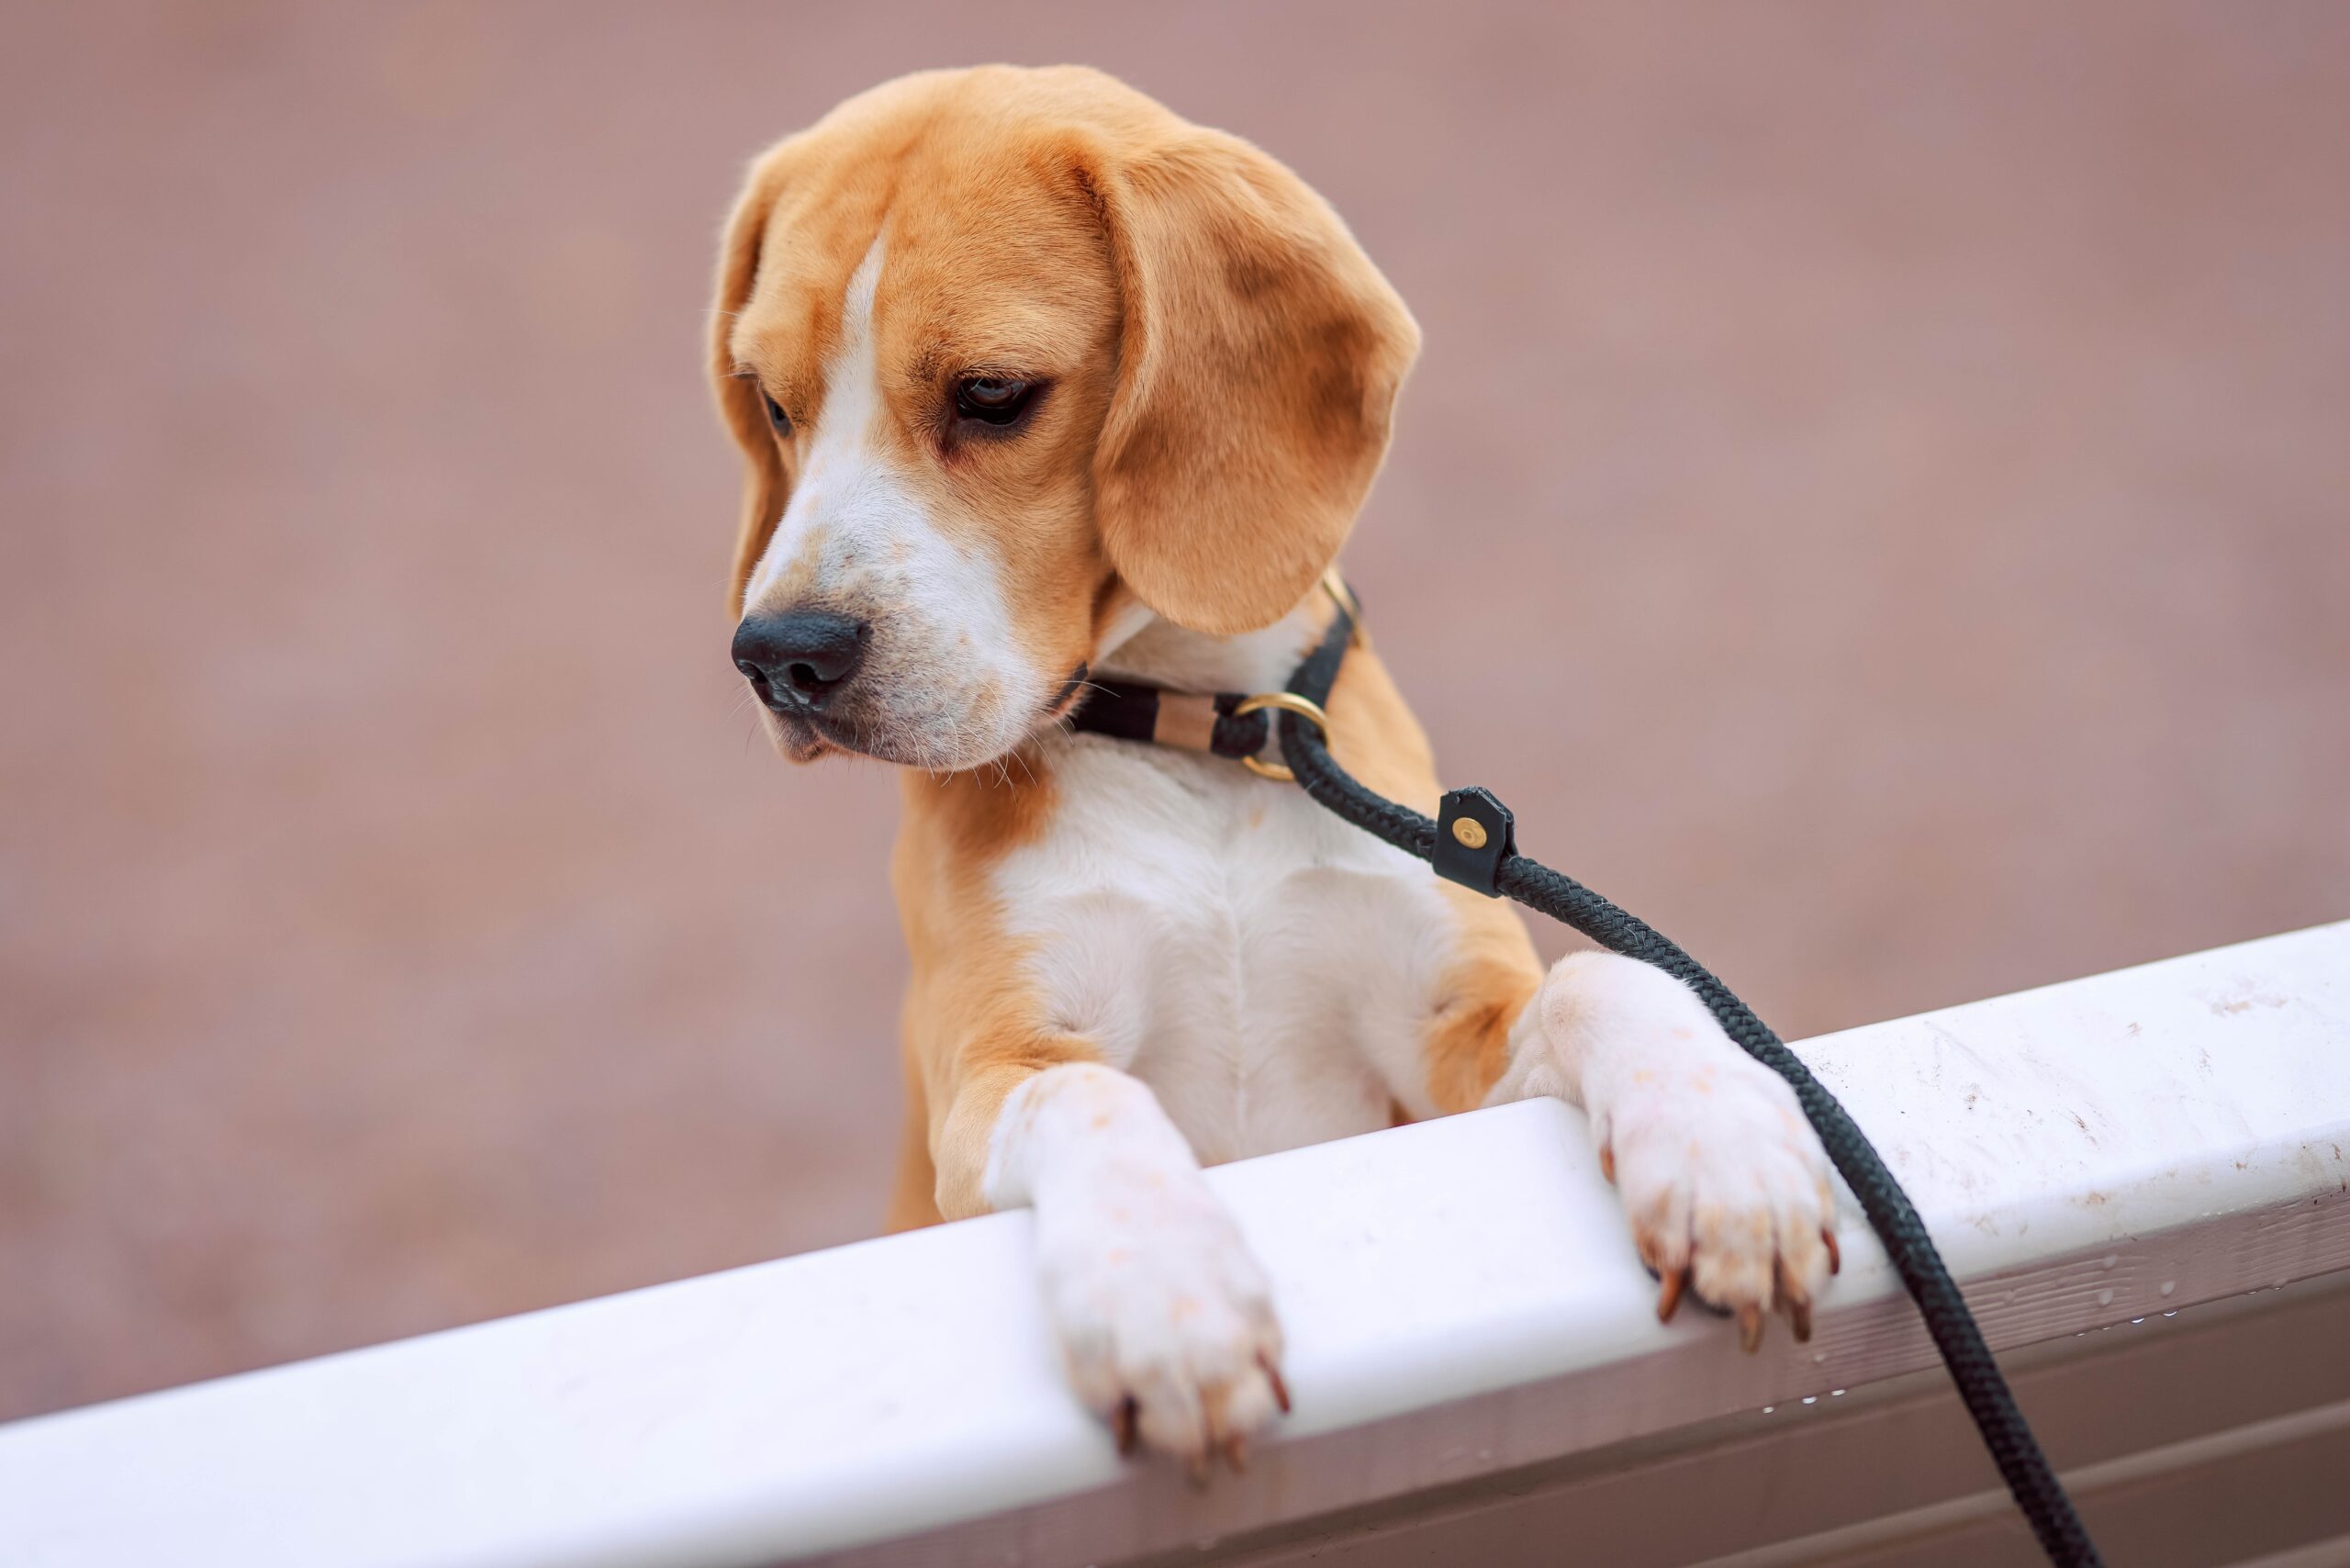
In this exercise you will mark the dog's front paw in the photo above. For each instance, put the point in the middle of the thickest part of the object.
(1163, 1315)
(1724, 1183)
(1726, 1189)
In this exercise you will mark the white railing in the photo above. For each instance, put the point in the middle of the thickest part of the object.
(1471, 1344)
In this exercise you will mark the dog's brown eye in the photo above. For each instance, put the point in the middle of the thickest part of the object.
(991, 399)
(775, 416)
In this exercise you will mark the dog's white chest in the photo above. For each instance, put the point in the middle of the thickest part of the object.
(1265, 968)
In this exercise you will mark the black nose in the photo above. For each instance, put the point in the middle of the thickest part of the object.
(795, 661)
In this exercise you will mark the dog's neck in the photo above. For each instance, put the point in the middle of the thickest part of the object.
(1160, 653)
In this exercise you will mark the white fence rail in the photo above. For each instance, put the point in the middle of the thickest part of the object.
(1473, 1352)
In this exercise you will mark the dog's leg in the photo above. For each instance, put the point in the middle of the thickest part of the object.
(1162, 1312)
(913, 1196)
(1724, 1183)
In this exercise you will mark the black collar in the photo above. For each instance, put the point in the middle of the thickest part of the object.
(1233, 724)
(1136, 711)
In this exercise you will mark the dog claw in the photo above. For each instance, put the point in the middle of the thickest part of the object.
(1236, 1453)
(1122, 1423)
(1749, 1327)
(1799, 1315)
(1668, 1300)
(1608, 1162)
(1835, 1258)
(1273, 1376)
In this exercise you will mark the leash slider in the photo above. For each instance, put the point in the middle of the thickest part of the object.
(1474, 834)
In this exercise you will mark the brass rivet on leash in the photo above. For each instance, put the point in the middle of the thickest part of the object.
(1470, 832)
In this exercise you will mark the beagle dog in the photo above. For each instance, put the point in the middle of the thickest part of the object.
(1039, 386)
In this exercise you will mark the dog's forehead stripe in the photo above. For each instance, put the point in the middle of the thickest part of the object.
(852, 379)
(851, 403)
(856, 308)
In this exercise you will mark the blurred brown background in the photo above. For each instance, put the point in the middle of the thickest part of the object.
(1876, 501)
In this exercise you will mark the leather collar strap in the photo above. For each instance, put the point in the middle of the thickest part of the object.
(1209, 722)
(1133, 711)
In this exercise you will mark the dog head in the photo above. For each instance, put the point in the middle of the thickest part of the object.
(1017, 358)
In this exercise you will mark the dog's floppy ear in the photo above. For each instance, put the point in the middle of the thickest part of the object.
(764, 484)
(1260, 356)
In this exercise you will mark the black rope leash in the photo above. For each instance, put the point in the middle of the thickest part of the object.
(1485, 856)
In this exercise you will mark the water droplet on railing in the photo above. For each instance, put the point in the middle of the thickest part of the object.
(2105, 1298)
(1811, 1399)
(2169, 1285)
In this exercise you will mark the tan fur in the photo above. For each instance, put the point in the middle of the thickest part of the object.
(913, 1191)
(1259, 364)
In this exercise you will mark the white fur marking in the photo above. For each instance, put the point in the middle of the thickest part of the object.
(1153, 1293)
(949, 686)
(1266, 968)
